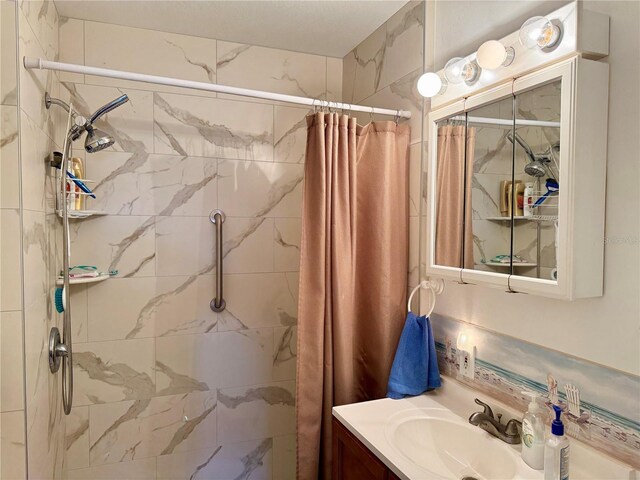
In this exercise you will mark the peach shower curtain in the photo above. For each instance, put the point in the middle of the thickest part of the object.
(353, 273)
(454, 219)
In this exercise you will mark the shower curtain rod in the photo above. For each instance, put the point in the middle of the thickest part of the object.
(508, 123)
(39, 63)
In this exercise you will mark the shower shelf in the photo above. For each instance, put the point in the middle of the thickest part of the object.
(79, 214)
(532, 218)
(517, 264)
(78, 281)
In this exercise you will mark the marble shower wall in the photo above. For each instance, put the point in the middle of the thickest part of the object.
(12, 409)
(382, 71)
(29, 233)
(166, 388)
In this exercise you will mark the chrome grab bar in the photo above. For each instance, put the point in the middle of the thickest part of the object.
(217, 218)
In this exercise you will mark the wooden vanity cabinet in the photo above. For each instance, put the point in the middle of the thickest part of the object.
(352, 460)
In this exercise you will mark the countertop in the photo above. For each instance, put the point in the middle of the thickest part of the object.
(370, 423)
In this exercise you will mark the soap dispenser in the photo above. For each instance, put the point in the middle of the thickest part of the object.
(556, 451)
(533, 433)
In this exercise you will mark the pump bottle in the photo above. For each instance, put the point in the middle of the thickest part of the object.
(556, 451)
(533, 434)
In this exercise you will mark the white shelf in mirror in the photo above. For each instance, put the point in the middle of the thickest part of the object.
(517, 264)
(532, 218)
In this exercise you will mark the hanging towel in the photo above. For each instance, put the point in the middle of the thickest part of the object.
(415, 366)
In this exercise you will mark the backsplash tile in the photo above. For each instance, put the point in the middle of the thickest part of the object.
(505, 366)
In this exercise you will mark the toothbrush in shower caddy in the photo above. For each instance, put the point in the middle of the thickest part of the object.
(552, 189)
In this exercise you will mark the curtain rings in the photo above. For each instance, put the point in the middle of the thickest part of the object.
(371, 114)
(396, 117)
(314, 107)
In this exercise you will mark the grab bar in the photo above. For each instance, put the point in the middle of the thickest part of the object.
(217, 218)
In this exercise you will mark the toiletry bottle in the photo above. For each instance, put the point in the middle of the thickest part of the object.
(556, 451)
(533, 434)
(77, 166)
(519, 198)
(503, 198)
(528, 199)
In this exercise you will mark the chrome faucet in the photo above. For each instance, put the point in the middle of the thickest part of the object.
(508, 432)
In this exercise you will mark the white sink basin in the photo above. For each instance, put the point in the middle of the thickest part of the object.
(446, 447)
(429, 437)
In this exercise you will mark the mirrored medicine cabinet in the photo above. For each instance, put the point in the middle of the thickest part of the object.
(516, 183)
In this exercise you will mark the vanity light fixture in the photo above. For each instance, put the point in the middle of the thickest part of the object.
(493, 54)
(430, 84)
(459, 70)
(539, 32)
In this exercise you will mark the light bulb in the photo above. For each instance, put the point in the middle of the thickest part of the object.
(459, 69)
(539, 32)
(493, 54)
(430, 84)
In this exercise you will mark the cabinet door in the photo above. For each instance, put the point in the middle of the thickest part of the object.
(352, 460)
(537, 165)
(489, 188)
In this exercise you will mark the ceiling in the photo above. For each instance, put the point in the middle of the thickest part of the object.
(323, 27)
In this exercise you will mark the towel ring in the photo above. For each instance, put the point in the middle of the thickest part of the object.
(435, 286)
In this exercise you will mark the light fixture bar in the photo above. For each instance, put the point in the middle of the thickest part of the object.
(39, 63)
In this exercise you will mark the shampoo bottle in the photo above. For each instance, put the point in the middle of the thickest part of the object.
(533, 434)
(556, 451)
(528, 199)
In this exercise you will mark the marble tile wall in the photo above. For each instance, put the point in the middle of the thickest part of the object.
(30, 394)
(12, 409)
(40, 134)
(382, 71)
(166, 388)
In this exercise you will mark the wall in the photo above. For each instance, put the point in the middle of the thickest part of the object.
(165, 388)
(12, 415)
(523, 340)
(382, 71)
(604, 330)
(29, 245)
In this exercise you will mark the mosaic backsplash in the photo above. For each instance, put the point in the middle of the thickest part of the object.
(608, 416)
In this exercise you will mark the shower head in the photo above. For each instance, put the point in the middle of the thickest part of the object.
(535, 167)
(97, 140)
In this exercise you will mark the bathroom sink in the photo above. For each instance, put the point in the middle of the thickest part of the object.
(446, 447)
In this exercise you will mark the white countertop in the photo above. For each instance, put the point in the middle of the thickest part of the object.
(370, 423)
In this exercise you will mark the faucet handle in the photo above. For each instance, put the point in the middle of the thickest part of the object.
(512, 427)
(487, 408)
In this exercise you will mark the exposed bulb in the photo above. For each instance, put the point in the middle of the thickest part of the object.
(493, 54)
(539, 32)
(430, 84)
(459, 69)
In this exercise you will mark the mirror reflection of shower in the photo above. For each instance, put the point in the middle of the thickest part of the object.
(539, 165)
(60, 345)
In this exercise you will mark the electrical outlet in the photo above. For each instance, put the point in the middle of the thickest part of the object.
(467, 360)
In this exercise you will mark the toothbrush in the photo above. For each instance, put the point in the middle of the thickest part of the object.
(552, 187)
(81, 184)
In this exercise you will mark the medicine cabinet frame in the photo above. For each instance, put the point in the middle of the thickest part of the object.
(581, 197)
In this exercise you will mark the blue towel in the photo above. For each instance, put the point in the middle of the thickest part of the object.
(415, 366)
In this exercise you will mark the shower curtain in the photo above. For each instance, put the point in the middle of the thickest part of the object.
(454, 214)
(353, 273)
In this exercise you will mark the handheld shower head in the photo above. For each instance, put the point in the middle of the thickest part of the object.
(96, 139)
(121, 100)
